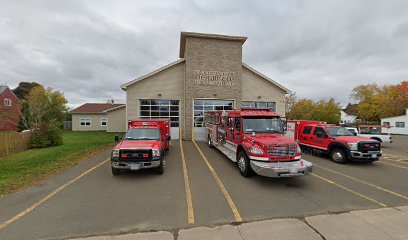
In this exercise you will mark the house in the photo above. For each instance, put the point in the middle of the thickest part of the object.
(209, 75)
(348, 115)
(397, 125)
(9, 110)
(99, 117)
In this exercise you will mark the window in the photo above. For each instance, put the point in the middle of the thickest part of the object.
(253, 104)
(307, 130)
(104, 122)
(400, 124)
(85, 121)
(201, 106)
(158, 108)
(7, 102)
(386, 124)
(238, 124)
(319, 132)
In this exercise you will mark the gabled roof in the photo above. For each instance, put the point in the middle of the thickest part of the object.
(115, 108)
(95, 107)
(265, 77)
(124, 86)
(4, 88)
(351, 109)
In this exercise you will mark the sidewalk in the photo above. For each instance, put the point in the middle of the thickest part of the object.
(383, 223)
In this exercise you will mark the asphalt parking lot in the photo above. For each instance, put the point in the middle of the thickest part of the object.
(87, 200)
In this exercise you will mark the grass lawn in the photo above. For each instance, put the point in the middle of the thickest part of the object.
(24, 169)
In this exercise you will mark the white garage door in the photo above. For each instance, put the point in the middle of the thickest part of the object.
(201, 106)
(159, 108)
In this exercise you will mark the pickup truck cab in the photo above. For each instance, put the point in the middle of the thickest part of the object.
(255, 140)
(142, 147)
(338, 142)
(371, 131)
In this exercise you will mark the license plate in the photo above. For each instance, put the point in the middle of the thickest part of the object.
(373, 155)
(134, 166)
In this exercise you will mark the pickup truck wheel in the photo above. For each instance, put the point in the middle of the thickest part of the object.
(209, 142)
(115, 171)
(338, 155)
(244, 165)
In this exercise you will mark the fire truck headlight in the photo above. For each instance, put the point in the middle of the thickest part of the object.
(156, 153)
(256, 151)
(115, 154)
(353, 146)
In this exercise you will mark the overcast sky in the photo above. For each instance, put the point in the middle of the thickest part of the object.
(317, 48)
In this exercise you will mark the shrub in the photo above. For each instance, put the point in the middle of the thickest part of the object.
(45, 136)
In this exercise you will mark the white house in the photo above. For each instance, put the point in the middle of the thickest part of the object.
(348, 114)
(398, 124)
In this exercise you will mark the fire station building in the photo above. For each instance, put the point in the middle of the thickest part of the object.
(209, 75)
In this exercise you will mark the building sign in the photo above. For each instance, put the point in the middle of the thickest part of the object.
(214, 78)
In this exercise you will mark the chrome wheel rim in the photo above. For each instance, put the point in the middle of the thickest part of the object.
(209, 142)
(337, 156)
(241, 164)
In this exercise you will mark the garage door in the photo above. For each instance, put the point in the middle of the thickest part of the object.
(201, 106)
(159, 108)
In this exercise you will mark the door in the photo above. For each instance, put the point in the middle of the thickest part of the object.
(320, 138)
(230, 129)
(305, 135)
(236, 134)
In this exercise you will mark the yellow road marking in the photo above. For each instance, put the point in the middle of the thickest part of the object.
(395, 165)
(364, 182)
(349, 190)
(224, 191)
(41, 201)
(190, 210)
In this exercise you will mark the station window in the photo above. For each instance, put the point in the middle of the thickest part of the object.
(158, 108)
(201, 106)
(386, 124)
(400, 124)
(257, 104)
(85, 122)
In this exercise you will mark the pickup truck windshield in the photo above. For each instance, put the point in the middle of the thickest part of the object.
(262, 125)
(142, 134)
(338, 131)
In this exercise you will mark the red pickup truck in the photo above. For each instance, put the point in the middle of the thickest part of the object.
(142, 147)
(341, 144)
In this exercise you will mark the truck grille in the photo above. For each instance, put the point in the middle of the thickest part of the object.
(365, 147)
(135, 155)
(282, 150)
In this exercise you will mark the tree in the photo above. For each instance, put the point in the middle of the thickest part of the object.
(24, 88)
(21, 91)
(323, 110)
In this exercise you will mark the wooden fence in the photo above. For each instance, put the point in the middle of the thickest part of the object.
(12, 142)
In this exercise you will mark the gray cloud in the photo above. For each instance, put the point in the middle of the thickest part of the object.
(316, 48)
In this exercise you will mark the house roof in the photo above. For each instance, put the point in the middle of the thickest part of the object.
(265, 77)
(351, 109)
(124, 86)
(4, 88)
(95, 107)
(184, 35)
(115, 108)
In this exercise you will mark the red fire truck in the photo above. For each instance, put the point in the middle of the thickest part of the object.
(341, 144)
(255, 139)
(142, 147)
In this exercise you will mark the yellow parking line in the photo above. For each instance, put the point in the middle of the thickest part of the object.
(395, 165)
(224, 191)
(41, 201)
(349, 190)
(190, 210)
(363, 182)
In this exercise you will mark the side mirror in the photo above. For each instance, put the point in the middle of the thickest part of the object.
(168, 137)
(117, 138)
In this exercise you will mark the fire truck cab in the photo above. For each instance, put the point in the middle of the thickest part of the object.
(142, 147)
(255, 139)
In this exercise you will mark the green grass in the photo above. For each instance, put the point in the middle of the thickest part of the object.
(24, 169)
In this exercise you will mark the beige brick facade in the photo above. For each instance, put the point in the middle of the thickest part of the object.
(210, 68)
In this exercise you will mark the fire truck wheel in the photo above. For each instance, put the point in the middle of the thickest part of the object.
(243, 165)
(115, 171)
(338, 155)
(209, 142)
(160, 169)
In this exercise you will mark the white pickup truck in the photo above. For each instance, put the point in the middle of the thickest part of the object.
(371, 131)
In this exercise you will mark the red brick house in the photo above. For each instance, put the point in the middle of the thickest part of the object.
(9, 110)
